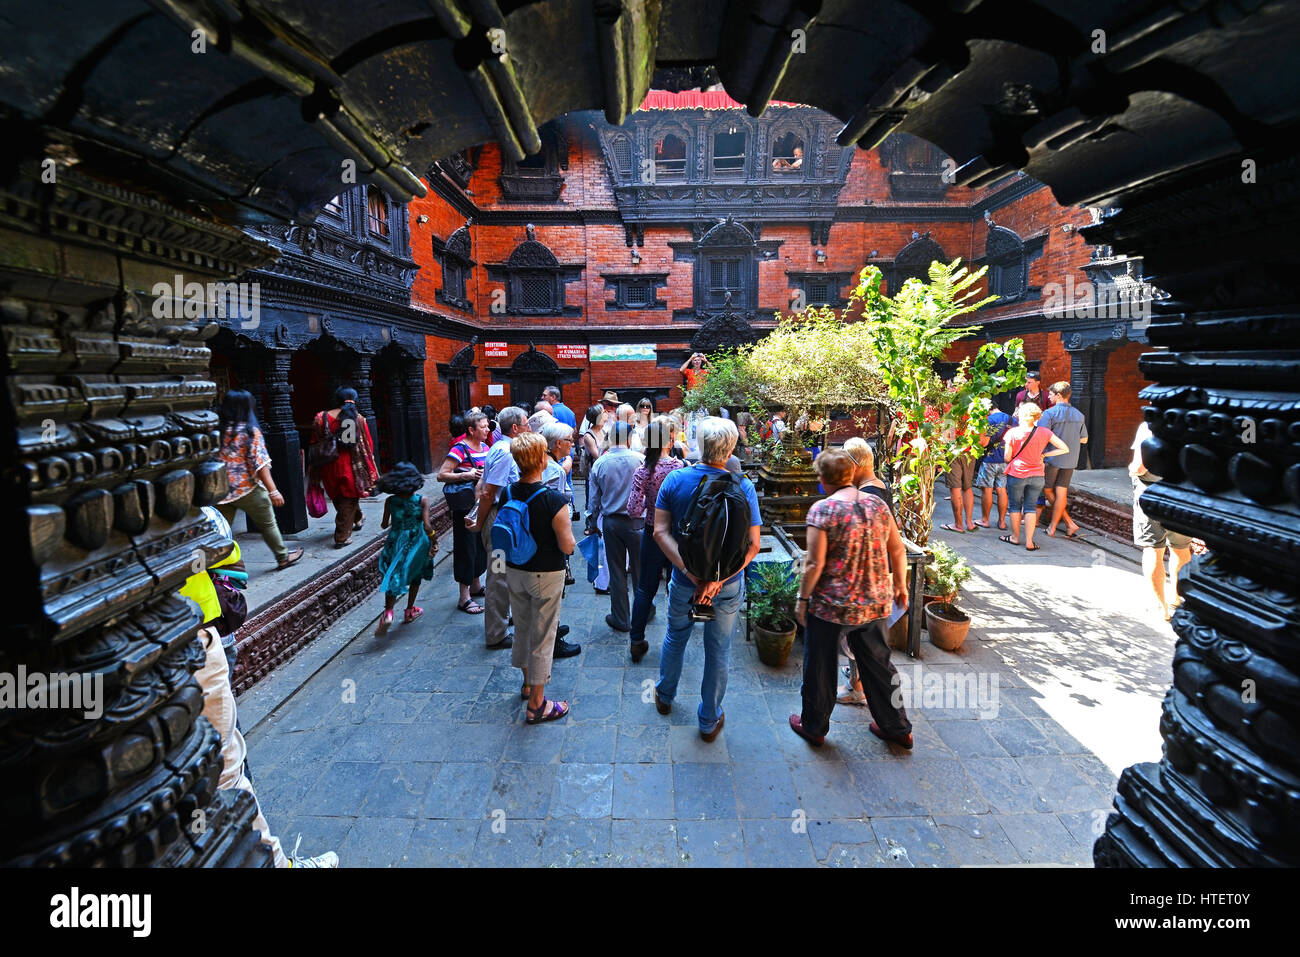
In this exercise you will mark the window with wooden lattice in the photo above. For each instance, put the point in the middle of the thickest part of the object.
(537, 291)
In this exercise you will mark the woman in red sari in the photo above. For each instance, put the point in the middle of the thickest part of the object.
(351, 476)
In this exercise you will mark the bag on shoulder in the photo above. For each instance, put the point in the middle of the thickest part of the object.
(510, 532)
(230, 597)
(324, 449)
(715, 529)
(460, 495)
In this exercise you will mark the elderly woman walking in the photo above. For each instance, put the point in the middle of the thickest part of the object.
(460, 472)
(248, 466)
(537, 585)
(1025, 448)
(350, 475)
(855, 567)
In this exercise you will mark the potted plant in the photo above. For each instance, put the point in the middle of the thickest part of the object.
(772, 589)
(945, 574)
(947, 625)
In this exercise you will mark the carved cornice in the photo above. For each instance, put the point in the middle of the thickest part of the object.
(91, 212)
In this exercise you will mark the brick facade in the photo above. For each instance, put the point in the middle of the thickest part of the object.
(592, 240)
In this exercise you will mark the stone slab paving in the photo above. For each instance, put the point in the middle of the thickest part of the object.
(410, 749)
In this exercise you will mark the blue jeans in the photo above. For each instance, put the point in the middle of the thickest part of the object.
(653, 563)
(717, 647)
(1022, 493)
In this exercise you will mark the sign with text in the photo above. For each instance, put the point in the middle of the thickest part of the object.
(571, 352)
(496, 389)
(495, 350)
(623, 353)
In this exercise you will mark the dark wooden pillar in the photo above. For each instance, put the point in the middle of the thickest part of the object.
(361, 382)
(417, 415)
(282, 441)
(109, 449)
(1088, 364)
(1225, 419)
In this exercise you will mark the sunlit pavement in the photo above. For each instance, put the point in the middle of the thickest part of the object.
(411, 749)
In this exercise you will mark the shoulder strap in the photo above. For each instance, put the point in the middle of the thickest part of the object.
(1024, 443)
(535, 494)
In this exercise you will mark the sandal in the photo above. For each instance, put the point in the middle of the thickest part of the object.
(1007, 539)
(343, 544)
(558, 709)
(470, 607)
(1033, 548)
(525, 691)
(412, 613)
(480, 593)
(385, 620)
(292, 557)
(952, 528)
(356, 526)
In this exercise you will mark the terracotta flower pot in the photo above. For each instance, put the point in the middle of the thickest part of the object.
(928, 599)
(773, 646)
(947, 625)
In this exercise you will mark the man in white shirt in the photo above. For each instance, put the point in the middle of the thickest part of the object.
(1152, 536)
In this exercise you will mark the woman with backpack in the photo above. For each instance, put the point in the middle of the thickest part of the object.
(248, 466)
(534, 517)
(344, 462)
(855, 568)
(459, 475)
(1024, 449)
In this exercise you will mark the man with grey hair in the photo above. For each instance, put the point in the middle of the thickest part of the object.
(609, 485)
(499, 470)
(717, 438)
(539, 420)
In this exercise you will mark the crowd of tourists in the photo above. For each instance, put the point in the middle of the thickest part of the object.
(666, 502)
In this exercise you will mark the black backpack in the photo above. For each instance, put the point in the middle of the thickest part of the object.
(715, 529)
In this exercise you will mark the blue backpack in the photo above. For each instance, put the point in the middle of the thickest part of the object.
(510, 531)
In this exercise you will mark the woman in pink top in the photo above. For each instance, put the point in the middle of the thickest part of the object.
(1024, 449)
(640, 502)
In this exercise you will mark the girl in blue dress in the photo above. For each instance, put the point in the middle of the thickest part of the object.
(407, 558)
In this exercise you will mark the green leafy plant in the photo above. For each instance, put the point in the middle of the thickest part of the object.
(773, 588)
(932, 422)
(947, 571)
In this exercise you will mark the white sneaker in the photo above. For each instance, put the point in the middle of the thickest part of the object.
(849, 696)
(328, 859)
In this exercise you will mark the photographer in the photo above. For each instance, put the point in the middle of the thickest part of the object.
(709, 501)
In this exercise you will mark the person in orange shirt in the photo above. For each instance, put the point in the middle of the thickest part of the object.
(695, 369)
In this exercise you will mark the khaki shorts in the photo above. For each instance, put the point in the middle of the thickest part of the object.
(962, 474)
(1149, 533)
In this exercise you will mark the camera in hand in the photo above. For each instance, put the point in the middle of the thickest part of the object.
(701, 612)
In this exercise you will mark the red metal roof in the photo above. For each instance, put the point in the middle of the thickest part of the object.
(696, 100)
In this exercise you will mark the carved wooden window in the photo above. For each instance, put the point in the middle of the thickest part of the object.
(729, 152)
(376, 212)
(639, 294)
(335, 207)
(819, 293)
(453, 280)
(623, 155)
(536, 291)
(537, 178)
(1005, 255)
(724, 277)
(788, 154)
(670, 158)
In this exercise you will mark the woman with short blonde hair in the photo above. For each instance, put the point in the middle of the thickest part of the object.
(537, 585)
(1025, 448)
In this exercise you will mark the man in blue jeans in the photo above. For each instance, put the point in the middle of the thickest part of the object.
(717, 438)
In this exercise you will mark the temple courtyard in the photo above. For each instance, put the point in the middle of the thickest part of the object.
(411, 750)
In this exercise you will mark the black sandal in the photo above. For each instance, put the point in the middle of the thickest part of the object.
(558, 710)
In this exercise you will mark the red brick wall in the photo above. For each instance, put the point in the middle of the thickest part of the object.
(603, 248)
(1123, 407)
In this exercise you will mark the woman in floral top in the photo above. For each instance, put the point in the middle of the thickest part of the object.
(252, 490)
(640, 503)
(853, 551)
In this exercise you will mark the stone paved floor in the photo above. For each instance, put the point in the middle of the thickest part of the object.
(431, 763)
